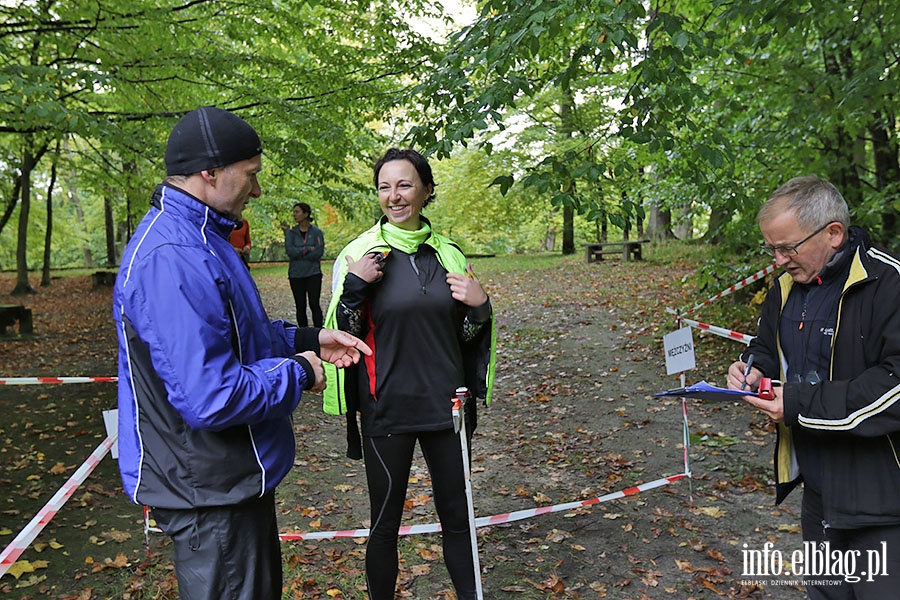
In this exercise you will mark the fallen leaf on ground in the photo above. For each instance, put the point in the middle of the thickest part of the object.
(710, 511)
(19, 568)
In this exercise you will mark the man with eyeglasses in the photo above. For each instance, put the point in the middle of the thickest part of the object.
(830, 331)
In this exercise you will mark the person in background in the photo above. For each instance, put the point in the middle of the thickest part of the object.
(305, 245)
(409, 292)
(207, 383)
(240, 239)
(830, 331)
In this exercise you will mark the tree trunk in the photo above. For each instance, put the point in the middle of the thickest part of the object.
(13, 203)
(566, 130)
(79, 213)
(17, 191)
(659, 226)
(23, 287)
(683, 227)
(131, 170)
(48, 236)
(717, 220)
(568, 241)
(550, 238)
(111, 253)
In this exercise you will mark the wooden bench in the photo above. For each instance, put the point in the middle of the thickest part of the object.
(11, 314)
(628, 250)
(103, 279)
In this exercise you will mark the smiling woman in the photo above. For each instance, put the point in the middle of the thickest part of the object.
(421, 295)
(405, 186)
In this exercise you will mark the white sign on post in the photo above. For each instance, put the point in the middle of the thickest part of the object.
(679, 348)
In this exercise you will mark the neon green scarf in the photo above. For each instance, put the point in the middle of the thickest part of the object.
(404, 239)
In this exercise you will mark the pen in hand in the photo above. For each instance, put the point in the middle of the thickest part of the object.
(747, 371)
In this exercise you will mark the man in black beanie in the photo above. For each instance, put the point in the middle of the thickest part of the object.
(208, 138)
(207, 383)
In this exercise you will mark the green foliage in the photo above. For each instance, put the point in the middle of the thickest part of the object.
(714, 111)
(692, 109)
(110, 78)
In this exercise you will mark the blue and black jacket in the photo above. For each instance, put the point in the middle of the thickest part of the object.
(207, 384)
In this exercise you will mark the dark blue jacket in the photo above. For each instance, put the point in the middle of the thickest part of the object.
(851, 418)
(206, 382)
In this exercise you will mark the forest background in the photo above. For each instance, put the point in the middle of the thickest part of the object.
(550, 122)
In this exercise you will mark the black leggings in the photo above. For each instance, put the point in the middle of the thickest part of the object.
(301, 287)
(388, 461)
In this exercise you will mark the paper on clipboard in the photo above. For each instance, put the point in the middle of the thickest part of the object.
(705, 391)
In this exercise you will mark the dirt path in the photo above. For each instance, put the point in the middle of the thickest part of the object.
(574, 418)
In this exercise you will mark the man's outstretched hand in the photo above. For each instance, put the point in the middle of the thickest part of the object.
(340, 348)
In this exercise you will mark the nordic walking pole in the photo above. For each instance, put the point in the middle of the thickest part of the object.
(459, 425)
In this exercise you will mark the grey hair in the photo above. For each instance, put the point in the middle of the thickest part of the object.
(813, 200)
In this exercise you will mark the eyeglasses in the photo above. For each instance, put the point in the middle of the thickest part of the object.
(789, 251)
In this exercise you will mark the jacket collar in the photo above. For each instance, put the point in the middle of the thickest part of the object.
(860, 261)
(167, 197)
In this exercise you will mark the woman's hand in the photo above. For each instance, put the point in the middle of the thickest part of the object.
(466, 288)
(368, 268)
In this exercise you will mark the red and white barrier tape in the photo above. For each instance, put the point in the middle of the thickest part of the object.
(492, 520)
(12, 552)
(741, 284)
(733, 335)
(22, 541)
(37, 380)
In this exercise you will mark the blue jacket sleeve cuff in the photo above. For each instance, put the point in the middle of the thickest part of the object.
(307, 368)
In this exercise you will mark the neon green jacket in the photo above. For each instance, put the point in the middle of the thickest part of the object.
(339, 398)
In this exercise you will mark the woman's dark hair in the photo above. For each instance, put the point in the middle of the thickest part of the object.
(417, 160)
(305, 208)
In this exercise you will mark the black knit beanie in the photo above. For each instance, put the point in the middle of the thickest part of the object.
(208, 138)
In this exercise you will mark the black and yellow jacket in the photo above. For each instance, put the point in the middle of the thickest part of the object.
(852, 417)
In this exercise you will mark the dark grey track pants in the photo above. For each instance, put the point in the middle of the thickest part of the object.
(226, 553)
